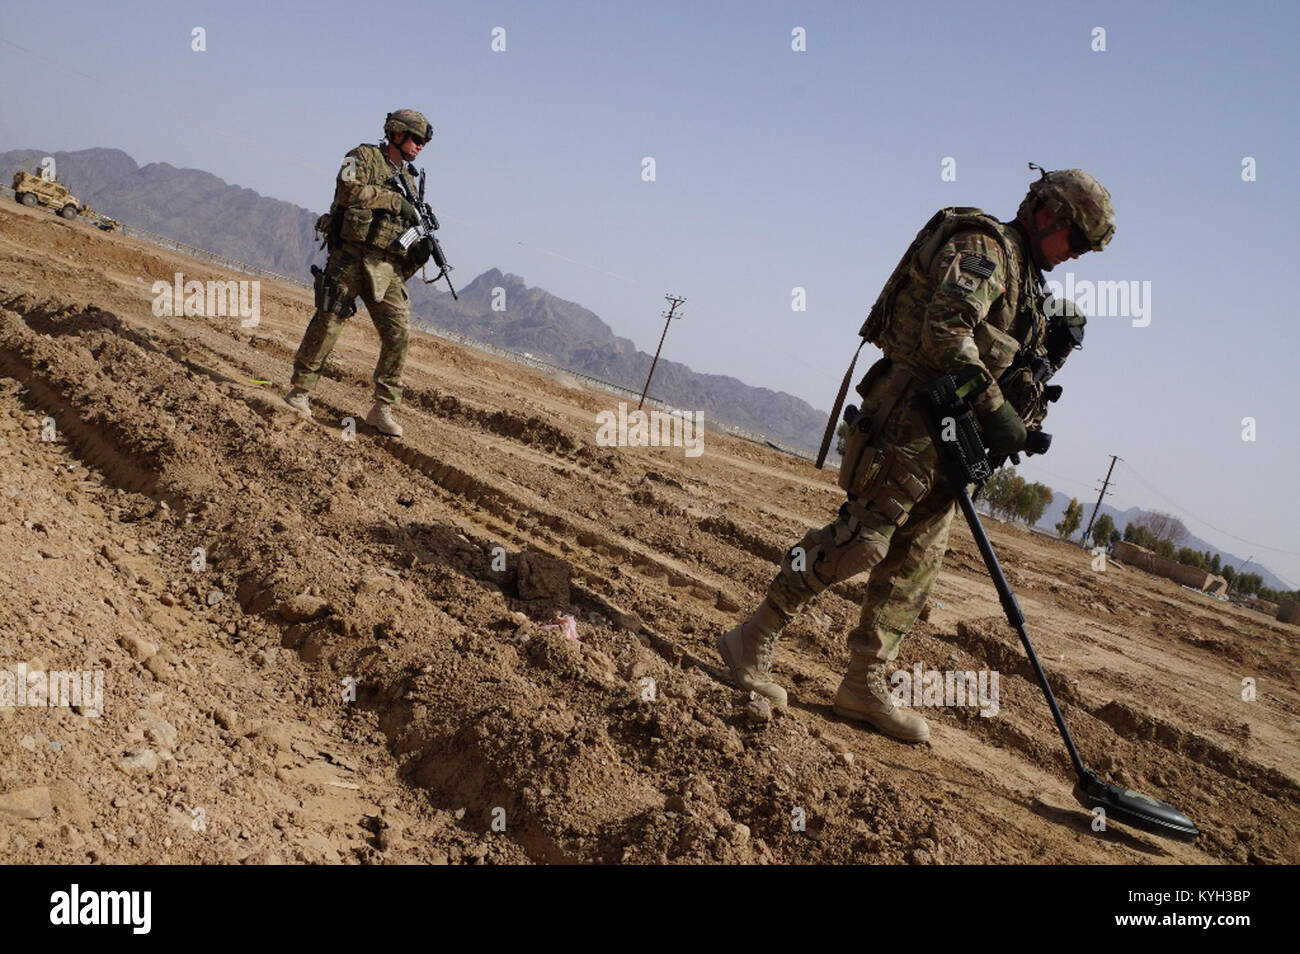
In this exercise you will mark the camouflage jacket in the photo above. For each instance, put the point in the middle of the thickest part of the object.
(365, 206)
(973, 306)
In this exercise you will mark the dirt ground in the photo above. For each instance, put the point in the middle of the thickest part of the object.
(238, 574)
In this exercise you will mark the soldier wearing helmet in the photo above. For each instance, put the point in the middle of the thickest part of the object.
(1080, 207)
(968, 292)
(366, 261)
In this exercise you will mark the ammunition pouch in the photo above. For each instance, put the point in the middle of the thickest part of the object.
(385, 228)
(356, 225)
(886, 480)
(997, 348)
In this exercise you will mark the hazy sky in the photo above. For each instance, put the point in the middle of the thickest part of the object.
(777, 169)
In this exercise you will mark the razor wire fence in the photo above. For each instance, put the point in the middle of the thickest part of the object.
(424, 324)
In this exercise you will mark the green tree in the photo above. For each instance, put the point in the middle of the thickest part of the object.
(1229, 574)
(1000, 492)
(1138, 535)
(840, 433)
(1214, 564)
(1102, 529)
(1249, 583)
(1045, 496)
(1165, 549)
(1115, 536)
(1071, 520)
(1031, 501)
(1189, 557)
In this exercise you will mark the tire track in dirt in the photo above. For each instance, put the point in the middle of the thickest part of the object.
(538, 843)
(419, 773)
(481, 493)
(548, 439)
(486, 491)
(887, 818)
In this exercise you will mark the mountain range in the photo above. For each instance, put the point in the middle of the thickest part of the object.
(200, 209)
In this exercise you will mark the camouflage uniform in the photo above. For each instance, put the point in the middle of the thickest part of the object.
(365, 262)
(966, 295)
(972, 308)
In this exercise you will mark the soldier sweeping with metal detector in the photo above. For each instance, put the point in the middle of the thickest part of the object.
(947, 406)
(963, 322)
(967, 293)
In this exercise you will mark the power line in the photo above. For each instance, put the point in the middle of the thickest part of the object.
(673, 302)
(1207, 523)
(1097, 506)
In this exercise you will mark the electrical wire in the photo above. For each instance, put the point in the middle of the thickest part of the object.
(1178, 506)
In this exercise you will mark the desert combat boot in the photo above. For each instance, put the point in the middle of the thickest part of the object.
(747, 651)
(864, 695)
(381, 419)
(297, 399)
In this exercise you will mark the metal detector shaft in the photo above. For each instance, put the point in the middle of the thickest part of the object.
(963, 458)
(945, 406)
(1014, 616)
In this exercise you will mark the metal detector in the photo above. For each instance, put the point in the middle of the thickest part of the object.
(946, 405)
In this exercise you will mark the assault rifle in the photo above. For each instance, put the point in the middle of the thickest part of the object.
(424, 230)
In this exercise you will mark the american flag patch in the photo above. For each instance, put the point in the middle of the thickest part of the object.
(977, 265)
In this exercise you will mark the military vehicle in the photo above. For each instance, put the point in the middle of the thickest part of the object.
(33, 189)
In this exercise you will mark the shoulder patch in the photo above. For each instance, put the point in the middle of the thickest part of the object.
(977, 265)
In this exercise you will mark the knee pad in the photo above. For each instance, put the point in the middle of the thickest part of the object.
(824, 557)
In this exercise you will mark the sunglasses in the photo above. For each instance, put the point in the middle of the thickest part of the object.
(418, 140)
(1079, 243)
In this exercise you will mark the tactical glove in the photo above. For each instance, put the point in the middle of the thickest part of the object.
(1004, 432)
(419, 253)
(407, 213)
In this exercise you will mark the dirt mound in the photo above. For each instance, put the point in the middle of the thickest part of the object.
(330, 646)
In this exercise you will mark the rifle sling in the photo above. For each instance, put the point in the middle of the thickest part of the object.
(839, 403)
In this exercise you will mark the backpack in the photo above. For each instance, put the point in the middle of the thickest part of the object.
(915, 264)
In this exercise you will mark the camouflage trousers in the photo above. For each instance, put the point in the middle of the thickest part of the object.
(895, 524)
(377, 283)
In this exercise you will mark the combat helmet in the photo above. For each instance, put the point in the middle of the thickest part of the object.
(1077, 197)
(408, 121)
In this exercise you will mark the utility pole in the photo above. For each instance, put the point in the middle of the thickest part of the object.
(1097, 506)
(1236, 576)
(673, 302)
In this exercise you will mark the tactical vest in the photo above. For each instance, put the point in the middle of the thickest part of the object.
(919, 257)
(915, 265)
(375, 228)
